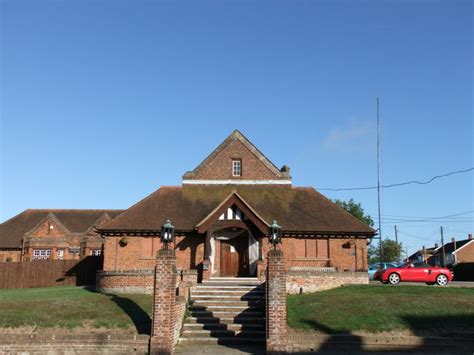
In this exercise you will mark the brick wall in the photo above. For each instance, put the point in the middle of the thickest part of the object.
(302, 280)
(140, 252)
(466, 254)
(10, 255)
(125, 281)
(221, 167)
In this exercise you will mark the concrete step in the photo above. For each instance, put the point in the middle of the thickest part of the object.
(227, 314)
(223, 326)
(227, 287)
(224, 340)
(237, 308)
(226, 303)
(222, 333)
(239, 320)
(234, 297)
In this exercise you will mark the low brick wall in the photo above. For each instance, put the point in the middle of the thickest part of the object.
(351, 343)
(125, 281)
(74, 344)
(136, 281)
(309, 279)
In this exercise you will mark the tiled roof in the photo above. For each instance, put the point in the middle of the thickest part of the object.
(75, 221)
(297, 209)
(449, 247)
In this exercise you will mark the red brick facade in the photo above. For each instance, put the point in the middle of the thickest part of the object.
(53, 234)
(222, 219)
(465, 254)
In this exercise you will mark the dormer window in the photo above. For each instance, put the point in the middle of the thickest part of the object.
(236, 167)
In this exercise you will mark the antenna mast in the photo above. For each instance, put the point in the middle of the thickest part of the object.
(378, 180)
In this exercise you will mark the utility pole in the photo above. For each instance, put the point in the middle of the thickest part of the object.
(378, 180)
(396, 240)
(442, 246)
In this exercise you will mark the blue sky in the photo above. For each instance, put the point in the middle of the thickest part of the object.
(104, 101)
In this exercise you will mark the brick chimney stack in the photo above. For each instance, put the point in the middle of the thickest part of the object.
(469, 236)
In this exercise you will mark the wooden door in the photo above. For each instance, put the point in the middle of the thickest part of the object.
(234, 257)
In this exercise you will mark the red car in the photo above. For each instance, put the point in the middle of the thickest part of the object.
(415, 272)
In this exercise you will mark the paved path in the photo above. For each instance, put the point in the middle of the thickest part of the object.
(223, 349)
(217, 349)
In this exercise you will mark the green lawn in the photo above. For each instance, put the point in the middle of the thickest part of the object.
(71, 307)
(383, 308)
(345, 309)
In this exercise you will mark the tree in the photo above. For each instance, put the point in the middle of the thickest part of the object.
(391, 251)
(356, 210)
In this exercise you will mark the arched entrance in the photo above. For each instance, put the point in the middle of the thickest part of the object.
(234, 252)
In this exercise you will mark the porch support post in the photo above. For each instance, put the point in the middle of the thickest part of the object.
(206, 263)
(277, 339)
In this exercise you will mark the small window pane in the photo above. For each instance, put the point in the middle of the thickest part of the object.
(236, 168)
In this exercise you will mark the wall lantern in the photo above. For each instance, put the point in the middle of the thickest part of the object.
(275, 234)
(167, 233)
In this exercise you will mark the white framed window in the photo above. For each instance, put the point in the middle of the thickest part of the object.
(60, 254)
(41, 254)
(96, 252)
(236, 167)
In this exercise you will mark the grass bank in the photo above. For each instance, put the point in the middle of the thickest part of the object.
(72, 307)
(386, 308)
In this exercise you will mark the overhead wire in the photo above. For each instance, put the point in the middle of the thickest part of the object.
(430, 180)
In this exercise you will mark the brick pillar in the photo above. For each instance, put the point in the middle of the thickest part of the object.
(277, 341)
(164, 303)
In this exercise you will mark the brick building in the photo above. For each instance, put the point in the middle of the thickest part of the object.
(52, 234)
(222, 212)
(455, 251)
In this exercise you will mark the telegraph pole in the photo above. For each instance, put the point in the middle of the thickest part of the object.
(442, 246)
(378, 180)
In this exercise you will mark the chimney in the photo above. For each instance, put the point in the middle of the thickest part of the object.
(453, 240)
(436, 245)
(469, 236)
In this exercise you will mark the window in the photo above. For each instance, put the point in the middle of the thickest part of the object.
(236, 167)
(311, 248)
(60, 254)
(41, 254)
(96, 252)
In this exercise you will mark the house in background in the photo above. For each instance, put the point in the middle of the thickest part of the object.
(423, 254)
(456, 252)
(42, 234)
(222, 212)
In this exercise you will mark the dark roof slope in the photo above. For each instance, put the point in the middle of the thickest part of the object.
(75, 221)
(449, 247)
(295, 208)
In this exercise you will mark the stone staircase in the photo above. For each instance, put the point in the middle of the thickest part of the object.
(226, 311)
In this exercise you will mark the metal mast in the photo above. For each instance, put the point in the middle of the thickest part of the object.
(378, 179)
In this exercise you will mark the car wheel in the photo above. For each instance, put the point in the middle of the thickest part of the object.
(442, 280)
(393, 278)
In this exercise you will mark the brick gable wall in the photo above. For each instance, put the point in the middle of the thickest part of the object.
(466, 254)
(220, 168)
